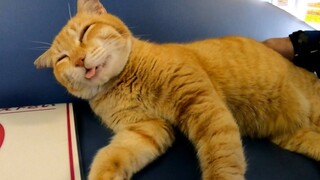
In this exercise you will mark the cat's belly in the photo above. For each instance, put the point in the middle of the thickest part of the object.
(256, 119)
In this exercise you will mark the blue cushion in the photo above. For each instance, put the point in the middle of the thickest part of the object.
(157, 20)
(266, 161)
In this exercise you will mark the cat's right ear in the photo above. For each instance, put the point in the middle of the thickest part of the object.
(91, 7)
(43, 61)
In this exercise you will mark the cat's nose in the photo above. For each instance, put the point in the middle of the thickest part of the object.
(80, 62)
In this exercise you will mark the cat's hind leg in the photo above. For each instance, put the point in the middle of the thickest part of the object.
(305, 141)
(300, 131)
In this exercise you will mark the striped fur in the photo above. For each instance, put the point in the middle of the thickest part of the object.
(213, 90)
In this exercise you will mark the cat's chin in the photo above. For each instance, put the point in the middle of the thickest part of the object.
(102, 77)
(88, 88)
(86, 93)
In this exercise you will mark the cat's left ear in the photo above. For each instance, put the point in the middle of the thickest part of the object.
(43, 61)
(90, 6)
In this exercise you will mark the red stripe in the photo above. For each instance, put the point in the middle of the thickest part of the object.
(72, 174)
(2, 134)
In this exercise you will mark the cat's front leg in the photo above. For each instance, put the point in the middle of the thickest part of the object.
(213, 130)
(131, 149)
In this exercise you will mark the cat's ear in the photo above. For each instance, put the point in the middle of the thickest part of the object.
(43, 61)
(90, 6)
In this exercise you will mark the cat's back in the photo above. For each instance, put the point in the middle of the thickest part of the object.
(236, 53)
(232, 63)
(239, 62)
(256, 82)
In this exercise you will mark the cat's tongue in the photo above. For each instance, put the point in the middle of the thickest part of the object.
(90, 73)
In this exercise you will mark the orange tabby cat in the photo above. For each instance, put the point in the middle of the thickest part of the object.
(213, 90)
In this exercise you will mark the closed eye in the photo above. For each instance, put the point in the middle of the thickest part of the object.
(83, 32)
(61, 58)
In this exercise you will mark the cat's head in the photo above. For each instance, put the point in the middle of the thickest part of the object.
(91, 49)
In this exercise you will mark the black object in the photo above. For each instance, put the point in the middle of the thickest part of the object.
(306, 45)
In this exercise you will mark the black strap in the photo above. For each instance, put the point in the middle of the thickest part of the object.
(306, 45)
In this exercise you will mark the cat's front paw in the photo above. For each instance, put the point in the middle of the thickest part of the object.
(105, 175)
(107, 171)
(108, 166)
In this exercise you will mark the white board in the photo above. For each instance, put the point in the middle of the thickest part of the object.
(38, 143)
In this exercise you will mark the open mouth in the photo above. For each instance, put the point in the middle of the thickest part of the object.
(90, 73)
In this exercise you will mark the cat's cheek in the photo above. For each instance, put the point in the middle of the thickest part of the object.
(63, 80)
(58, 77)
(104, 76)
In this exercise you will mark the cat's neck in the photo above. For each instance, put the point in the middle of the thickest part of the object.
(141, 52)
(141, 49)
(138, 54)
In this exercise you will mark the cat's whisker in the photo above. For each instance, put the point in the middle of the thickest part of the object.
(69, 10)
(38, 48)
(132, 27)
(113, 47)
(41, 42)
(98, 53)
(97, 50)
(142, 35)
(41, 47)
(112, 41)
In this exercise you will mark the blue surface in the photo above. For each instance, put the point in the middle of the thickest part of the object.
(157, 20)
(23, 22)
(266, 161)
